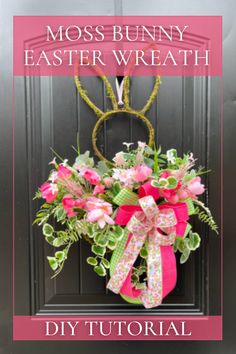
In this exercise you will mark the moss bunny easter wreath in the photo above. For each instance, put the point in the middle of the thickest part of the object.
(135, 211)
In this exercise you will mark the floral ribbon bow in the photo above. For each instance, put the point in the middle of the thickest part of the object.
(146, 225)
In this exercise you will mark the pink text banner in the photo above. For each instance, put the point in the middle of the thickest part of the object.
(134, 45)
(117, 328)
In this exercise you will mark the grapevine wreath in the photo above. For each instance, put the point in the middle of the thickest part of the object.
(135, 210)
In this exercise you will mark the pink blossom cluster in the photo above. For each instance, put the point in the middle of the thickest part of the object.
(183, 190)
(97, 209)
(128, 177)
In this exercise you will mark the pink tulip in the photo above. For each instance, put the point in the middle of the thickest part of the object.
(91, 176)
(69, 204)
(108, 181)
(195, 187)
(141, 173)
(99, 189)
(49, 191)
(63, 172)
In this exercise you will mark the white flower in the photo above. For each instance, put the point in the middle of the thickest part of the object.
(141, 145)
(124, 176)
(53, 162)
(128, 145)
(64, 163)
(171, 156)
(53, 176)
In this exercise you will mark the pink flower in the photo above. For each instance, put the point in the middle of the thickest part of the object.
(108, 181)
(69, 204)
(165, 174)
(183, 194)
(99, 211)
(91, 176)
(195, 187)
(63, 172)
(119, 159)
(49, 191)
(124, 176)
(99, 189)
(171, 195)
(141, 173)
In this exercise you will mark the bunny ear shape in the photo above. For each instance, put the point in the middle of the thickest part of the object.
(84, 95)
(127, 85)
(150, 99)
(153, 95)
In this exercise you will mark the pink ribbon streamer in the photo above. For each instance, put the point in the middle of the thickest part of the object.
(159, 248)
(143, 226)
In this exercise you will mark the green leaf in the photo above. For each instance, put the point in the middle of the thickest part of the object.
(155, 183)
(84, 160)
(112, 237)
(60, 255)
(116, 188)
(102, 167)
(135, 278)
(176, 245)
(144, 253)
(140, 286)
(184, 256)
(47, 230)
(57, 242)
(62, 234)
(90, 231)
(172, 182)
(100, 270)
(98, 250)
(53, 262)
(101, 240)
(141, 270)
(112, 245)
(119, 232)
(49, 239)
(194, 241)
(60, 214)
(92, 261)
(105, 263)
(181, 245)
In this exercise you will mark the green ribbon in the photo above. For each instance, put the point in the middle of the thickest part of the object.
(191, 209)
(114, 260)
(126, 197)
